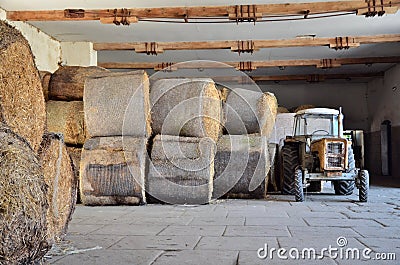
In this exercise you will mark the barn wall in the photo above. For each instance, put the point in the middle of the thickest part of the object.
(350, 96)
(45, 49)
(384, 104)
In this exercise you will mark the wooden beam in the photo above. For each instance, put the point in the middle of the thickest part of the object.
(240, 46)
(278, 78)
(315, 78)
(319, 63)
(231, 12)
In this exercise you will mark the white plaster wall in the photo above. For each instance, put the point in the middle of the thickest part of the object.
(350, 96)
(78, 53)
(384, 99)
(45, 49)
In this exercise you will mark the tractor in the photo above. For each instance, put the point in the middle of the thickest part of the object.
(318, 152)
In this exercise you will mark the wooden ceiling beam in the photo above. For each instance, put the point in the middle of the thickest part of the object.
(232, 12)
(315, 78)
(251, 65)
(248, 46)
(277, 78)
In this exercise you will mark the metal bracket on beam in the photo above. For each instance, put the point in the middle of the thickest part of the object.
(246, 66)
(378, 7)
(344, 43)
(166, 67)
(150, 48)
(119, 17)
(314, 78)
(244, 46)
(328, 63)
(245, 13)
(74, 13)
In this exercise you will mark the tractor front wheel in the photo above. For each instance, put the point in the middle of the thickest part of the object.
(364, 185)
(298, 185)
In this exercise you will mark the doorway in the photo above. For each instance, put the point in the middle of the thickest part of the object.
(386, 148)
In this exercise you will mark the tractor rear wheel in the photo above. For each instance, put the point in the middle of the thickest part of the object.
(290, 161)
(346, 187)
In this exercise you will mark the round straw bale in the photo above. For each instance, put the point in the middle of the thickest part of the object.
(249, 112)
(67, 117)
(117, 104)
(282, 110)
(23, 201)
(68, 82)
(45, 78)
(62, 183)
(21, 97)
(75, 154)
(186, 107)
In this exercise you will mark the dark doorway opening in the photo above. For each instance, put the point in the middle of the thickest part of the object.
(386, 148)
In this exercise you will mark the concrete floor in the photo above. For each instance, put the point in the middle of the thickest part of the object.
(232, 231)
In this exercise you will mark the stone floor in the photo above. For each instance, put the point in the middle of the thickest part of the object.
(233, 231)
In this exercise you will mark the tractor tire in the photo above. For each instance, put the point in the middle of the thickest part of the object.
(315, 186)
(298, 186)
(364, 186)
(346, 187)
(290, 161)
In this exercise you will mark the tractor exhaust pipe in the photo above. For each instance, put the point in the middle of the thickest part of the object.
(340, 123)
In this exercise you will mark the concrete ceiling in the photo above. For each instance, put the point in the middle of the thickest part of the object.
(94, 31)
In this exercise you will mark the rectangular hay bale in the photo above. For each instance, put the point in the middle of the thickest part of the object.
(181, 170)
(242, 164)
(112, 171)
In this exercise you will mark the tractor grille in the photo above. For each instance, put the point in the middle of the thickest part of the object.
(335, 148)
(335, 161)
(335, 152)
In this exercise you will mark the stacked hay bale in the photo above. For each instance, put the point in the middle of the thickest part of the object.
(302, 107)
(22, 105)
(62, 184)
(187, 120)
(67, 118)
(68, 82)
(23, 202)
(283, 128)
(242, 161)
(45, 79)
(114, 159)
(64, 105)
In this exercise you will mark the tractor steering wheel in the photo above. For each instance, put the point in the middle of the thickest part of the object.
(326, 132)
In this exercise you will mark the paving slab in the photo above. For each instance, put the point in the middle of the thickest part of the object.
(129, 230)
(157, 242)
(91, 241)
(385, 232)
(235, 243)
(218, 221)
(251, 258)
(137, 219)
(256, 231)
(83, 229)
(382, 244)
(197, 257)
(208, 230)
(275, 221)
(106, 257)
(326, 222)
(321, 231)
